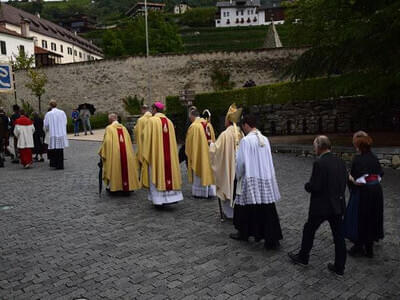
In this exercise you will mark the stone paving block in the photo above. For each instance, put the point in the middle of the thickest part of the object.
(63, 239)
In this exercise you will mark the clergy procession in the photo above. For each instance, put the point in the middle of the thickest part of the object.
(236, 170)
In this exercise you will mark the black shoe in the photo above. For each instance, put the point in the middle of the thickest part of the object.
(271, 245)
(356, 251)
(333, 269)
(15, 161)
(297, 259)
(238, 237)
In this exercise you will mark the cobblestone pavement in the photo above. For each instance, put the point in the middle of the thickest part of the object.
(61, 241)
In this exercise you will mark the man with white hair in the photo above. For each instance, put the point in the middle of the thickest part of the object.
(55, 125)
(327, 188)
(119, 163)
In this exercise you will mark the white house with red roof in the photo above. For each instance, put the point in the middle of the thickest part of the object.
(51, 40)
(12, 43)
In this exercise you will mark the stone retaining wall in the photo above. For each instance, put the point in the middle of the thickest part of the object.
(388, 157)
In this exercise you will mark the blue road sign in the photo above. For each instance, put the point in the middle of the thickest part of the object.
(6, 78)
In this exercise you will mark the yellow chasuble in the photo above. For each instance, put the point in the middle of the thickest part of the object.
(197, 152)
(155, 154)
(110, 153)
(223, 161)
(138, 133)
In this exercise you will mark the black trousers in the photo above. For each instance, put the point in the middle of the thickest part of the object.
(56, 157)
(336, 224)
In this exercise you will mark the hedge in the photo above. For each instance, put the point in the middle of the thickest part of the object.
(316, 89)
(295, 91)
(97, 121)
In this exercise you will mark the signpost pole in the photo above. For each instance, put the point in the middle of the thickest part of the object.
(15, 89)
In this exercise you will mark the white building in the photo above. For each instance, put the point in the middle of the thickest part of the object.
(235, 13)
(181, 8)
(56, 41)
(12, 43)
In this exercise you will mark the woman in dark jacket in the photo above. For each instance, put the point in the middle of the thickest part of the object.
(38, 137)
(365, 188)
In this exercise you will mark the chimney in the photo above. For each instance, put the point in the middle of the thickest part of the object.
(25, 28)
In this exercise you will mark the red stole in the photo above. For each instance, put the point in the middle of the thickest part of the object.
(206, 130)
(167, 154)
(124, 160)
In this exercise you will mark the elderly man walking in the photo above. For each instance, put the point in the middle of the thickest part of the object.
(327, 188)
(55, 124)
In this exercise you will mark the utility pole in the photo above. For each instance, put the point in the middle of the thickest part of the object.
(147, 51)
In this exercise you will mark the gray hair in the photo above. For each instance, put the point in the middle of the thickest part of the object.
(359, 133)
(322, 142)
(193, 111)
(113, 117)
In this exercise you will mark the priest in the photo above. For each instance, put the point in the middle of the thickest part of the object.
(55, 125)
(119, 166)
(161, 172)
(223, 159)
(206, 116)
(198, 157)
(257, 189)
(138, 132)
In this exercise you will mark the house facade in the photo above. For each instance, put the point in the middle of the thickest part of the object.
(236, 13)
(139, 8)
(181, 8)
(13, 43)
(67, 46)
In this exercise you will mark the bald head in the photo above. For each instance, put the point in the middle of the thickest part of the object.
(322, 144)
(112, 117)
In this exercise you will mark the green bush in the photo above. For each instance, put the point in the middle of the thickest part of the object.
(199, 17)
(132, 104)
(295, 91)
(98, 121)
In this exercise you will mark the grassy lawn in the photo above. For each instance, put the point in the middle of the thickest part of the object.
(228, 39)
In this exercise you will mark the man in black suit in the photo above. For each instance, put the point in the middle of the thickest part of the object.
(327, 187)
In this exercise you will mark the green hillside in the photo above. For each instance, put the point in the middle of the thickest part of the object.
(227, 39)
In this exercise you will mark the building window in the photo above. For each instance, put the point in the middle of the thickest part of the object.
(227, 13)
(21, 49)
(69, 49)
(242, 12)
(228, 21)
(80, 54)
(44, 44)
(3, 47)
(237, 12)
(53, 46)
(75, 53)
(61, 48)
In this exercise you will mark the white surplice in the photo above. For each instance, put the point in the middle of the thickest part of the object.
(198, 190)
(163, 197)
(255, 171)
(55, 124)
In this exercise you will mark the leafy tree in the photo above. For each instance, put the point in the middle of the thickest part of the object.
(130, 39)
(346, 36)
(37, 84)
(199, 17)
(22, 61)
(221, 80)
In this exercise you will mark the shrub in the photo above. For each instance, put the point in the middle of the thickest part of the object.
(199, 17)
(132, 104)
